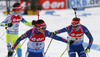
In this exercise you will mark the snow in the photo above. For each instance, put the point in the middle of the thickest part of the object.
(60, 19)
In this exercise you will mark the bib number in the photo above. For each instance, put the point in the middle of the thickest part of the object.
(15, 26)
(76, 38)
(38, 45)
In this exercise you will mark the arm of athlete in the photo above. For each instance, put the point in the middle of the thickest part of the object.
(6, 21)
(51, 35)
(88, 34)
(66, 29)
(23, 36)
(26, 22)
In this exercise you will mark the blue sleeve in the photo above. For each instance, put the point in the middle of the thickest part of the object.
(3, 23)
(88, 34)
(49, 34)
(23, 36)
(66, 29)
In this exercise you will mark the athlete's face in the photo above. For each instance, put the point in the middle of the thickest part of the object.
(75, 27)
(19, 11)
(41, 29)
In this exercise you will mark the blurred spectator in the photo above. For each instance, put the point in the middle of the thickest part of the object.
(31, 5)
(34, 4)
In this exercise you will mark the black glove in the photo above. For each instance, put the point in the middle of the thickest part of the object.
(70, 42)
(6, 28)
(9, 24)
(54, 33)
(33, 22)
(10, 52)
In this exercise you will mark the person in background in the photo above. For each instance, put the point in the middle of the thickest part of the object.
(34, 5)
(76, 33)
(36, 36)
(12, 23)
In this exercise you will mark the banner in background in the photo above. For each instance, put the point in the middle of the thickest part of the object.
(83, 3)
(53, 4)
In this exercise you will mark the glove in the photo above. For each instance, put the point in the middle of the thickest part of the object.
(10, 52)
(9, 24)
(87, 50)
(54, 33)
(33, 22)
(70, 42)
(6, 28)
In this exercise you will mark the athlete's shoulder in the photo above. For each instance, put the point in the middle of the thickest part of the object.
(47, 31)
(83, 26)
(85, 29)
(69, 27)
(30, 29)
(11, 14)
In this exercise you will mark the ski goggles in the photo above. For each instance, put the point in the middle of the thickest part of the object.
(75, 23)
(17, 8)
(44, 27)
(75, 26)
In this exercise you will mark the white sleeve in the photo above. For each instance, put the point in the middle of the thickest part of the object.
(7, 19)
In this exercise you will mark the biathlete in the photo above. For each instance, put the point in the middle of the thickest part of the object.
(76, 33)
(12, 23)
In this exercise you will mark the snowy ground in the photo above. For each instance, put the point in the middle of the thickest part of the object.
(60, 19)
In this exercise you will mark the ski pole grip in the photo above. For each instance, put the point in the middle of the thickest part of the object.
(39, 8)
(74, 9)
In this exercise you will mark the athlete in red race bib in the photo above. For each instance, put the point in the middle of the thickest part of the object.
(76, 33)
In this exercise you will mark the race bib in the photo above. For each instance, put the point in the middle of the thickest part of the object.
(36, 45)
(76, 38)
(15, 26)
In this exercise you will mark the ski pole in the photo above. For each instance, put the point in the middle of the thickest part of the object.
(75, 11)
(64, 51)
(8, 6)
(48, 47)
(38, 14)
(3, 34)
(39, 8)
(87, 55)
(21, 46)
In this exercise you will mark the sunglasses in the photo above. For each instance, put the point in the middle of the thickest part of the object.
(75, 26)
(42, 27)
